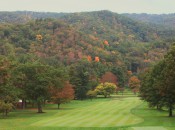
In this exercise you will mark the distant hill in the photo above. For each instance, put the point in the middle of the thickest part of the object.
(111, 26)
(25, 16)
(167, 20)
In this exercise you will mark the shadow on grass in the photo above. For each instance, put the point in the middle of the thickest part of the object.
(62, 108)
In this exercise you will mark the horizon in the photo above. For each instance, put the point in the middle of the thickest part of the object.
(83, 12)
(66, 6)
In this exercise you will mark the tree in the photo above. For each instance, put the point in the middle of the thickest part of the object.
(91, 94)
(8, 92)
(134, 83)
(167, 82)
(80, 74)
(106, 89)
(62, 95)
(120, 72)
(38, 78)
(149, 86)
(109, 77)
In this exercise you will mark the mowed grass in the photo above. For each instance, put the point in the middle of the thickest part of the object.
(117, 113)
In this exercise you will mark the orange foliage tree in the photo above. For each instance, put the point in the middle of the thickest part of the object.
(106, 43)
(109, 77)
(89, 58)
(134, 83)
(62, 95)
(97, 59)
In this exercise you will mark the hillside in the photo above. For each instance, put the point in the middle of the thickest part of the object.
(114, 38)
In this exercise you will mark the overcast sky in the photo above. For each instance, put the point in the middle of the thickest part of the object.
(119, 6)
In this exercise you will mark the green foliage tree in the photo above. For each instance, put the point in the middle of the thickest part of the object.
(8, 92)
(121, 74)
(80, 77)
(38, 78)
(161, 85)
(149, 86)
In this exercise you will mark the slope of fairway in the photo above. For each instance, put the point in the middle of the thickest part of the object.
(97, 113)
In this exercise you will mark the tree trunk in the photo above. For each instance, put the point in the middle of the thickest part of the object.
(23, 103)
(39, 107)
(58, 105)
(6, 112)
(170, 111)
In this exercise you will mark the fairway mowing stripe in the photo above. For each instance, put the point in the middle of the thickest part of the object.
(76, 121)
(98, 120)
(105, 117)
(87, 115)
(92, 116)
(67, 119)
(71, 114)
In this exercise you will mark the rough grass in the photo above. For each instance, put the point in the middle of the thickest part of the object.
(125, 112)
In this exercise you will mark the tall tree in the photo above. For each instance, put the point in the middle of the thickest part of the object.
(8, 93)
(162, 83)
(79, 77)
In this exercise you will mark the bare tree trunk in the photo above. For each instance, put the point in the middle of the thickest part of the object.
(39, 107)
(170, 111)
(6, 112)
(23, 103)
(58, 105)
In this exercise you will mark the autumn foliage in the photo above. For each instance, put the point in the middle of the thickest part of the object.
(39, 37)
(106, 43)
(134, 83)
(105, 89)
(62, 95)
(129, 73)
(89, 58)
(109, 77)
(97, 59)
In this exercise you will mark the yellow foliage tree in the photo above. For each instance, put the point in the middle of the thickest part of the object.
(39, 37)
(106, 89)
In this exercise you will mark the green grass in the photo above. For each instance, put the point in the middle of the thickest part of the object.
(125, 112)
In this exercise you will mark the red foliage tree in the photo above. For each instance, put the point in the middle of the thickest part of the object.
(109, 77)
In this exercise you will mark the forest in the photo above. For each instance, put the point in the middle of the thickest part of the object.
(59, 57)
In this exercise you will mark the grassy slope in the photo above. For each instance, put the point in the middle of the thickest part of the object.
(105, 114)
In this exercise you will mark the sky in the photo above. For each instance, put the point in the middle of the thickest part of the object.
(118, 6)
